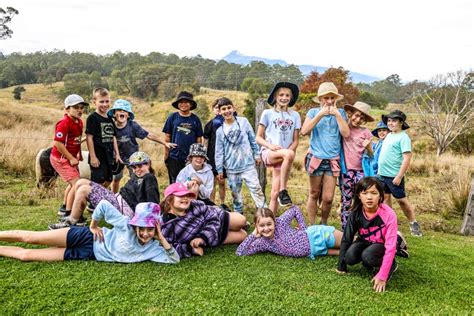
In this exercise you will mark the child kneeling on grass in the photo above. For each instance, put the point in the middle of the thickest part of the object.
(130, 240)
(276, 235)
(189, 225)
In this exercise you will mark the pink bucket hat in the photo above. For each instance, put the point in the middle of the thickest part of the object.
(146, 215)
(178, 189)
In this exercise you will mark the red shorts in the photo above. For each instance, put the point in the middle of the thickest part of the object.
(64, 168)
(264, 154)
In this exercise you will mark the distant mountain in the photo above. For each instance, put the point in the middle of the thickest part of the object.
(237, 58)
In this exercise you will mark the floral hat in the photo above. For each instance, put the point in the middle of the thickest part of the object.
(138, 158)
(197, 150)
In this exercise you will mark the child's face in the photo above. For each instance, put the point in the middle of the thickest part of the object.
(283, 97)
(227, 111)
(75, 111)
(141, 170)
(184, 106)
(328, 99)
(102, 104)
(382, 133)
(395, 125)
(145, 234)
(181, 203)
(198, 162)
(370, 198)
(266, 227)
(216, 110)
(357, 118)
(121, 116)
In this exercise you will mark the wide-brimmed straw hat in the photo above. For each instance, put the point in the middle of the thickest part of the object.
(398, 115)
(327, 88)
(184, 95)
(362, 107)
(294, 92)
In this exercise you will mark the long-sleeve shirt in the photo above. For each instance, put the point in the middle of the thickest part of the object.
(236, 148)
(205, 174)
(287, 241)
(121, 244)
(200, 221)
(381, 228)
(138, 190)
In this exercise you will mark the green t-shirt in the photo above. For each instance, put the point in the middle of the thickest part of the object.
(391, 154)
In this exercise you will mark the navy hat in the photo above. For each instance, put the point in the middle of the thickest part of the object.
(294, 91)
(398, 115)
(184, 95)
(380, 125)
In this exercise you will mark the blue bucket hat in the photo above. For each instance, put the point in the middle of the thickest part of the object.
(380, 125)
(121, 104)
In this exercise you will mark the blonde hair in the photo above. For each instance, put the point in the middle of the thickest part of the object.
(100, 91)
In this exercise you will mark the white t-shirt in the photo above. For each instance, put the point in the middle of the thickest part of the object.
(280, 126)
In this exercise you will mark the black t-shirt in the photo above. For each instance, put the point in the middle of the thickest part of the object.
(103, 131)
(138, 190)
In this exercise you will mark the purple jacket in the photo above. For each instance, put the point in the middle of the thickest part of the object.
(201, 221)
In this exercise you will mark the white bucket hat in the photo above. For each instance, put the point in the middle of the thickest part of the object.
(327, 88)
(362, 107)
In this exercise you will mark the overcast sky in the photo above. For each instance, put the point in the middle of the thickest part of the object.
(413, 38)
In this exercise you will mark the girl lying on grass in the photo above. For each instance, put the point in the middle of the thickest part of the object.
(376, 227)
(189, 224)
(130, 240)
(141, 188)
(279, 237)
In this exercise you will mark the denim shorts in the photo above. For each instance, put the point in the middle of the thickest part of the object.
(324, 167)
(398, 191)
(79, 244)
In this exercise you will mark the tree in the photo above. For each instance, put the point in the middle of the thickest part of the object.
(202, 110)
(5, 18)
(447, 108)
(17, 92)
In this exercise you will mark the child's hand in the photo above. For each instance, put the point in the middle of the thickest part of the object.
(366, 143)
(273, 147)
(119, 160)
(73, 162)
(198, 251)
(324, 111)
(397, 180)
(98, 234)
(196, 242)
(170, 145)
(197, 180)
(95, 162)
(332, 110)
(379, 285)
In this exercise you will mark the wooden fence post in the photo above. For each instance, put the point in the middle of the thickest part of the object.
(262, 171)
(467, 227)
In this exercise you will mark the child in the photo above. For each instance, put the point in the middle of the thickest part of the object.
(210, 140)
(197, 175)
(376, 226)
(354, 145)
(277, 135)
(182, 128)
(237, 152)
(394, 161)
(279, 237)
(101, 139)
(380, 132)
(66, 152)
(128, 131)
(143, 187)
(189, 225)
(326, 126)
(130, 240)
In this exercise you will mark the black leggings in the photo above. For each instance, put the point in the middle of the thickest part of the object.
(371, 254)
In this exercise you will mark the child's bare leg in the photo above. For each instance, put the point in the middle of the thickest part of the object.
(338, 236)
(236, 221)
(387, 199)
(315, 184)
(235, 237)
(46, 254)
(329, 185)
(83, 189)
(54, 238)
(275, 190)
(213, 192)
(222, 191)
(407, 209)
(66, 192)
(71, 194)
(115, 185)
(333, 252)
(288, 157)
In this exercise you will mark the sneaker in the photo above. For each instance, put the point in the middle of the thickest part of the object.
(90, 208)
(62, 210)
(402, 248)
(247, 226)
(284, 199)
(66, 222)
(225, 208)
(393, 268)
(415, 229)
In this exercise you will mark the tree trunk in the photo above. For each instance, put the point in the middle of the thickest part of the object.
(262, 171)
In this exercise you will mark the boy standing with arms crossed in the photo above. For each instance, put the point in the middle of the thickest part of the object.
(394, 161)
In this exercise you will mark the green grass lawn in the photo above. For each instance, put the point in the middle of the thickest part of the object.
(438, 278)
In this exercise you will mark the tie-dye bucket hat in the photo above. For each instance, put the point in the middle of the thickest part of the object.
(146, 215)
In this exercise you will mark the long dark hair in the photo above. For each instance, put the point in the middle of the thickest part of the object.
(363, 185)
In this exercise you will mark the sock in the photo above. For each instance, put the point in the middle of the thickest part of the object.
(72, 220)
(67, 213)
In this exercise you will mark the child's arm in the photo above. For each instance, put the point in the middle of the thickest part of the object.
(167, 150)
(252, 141)
(169, 255)
(312, 120)
(295, 142)
(252, 245)
(111, 215)
(219, 154)
(206, 185)
(403, 168)
(63, 150)
(116, 150)
(293, 212)
(90, 146)
(390, 248)
(341, 122)
(367, 143)
(155, 138)
(260, 139)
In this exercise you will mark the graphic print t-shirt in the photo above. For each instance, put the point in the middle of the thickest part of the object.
(127, 139)
(280, 126)
(184, 131)
(103, 131)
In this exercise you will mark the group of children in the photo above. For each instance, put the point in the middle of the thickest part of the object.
(187, 220)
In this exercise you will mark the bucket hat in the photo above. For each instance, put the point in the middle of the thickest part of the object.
(178, 189)
(74, 99)
(294, 92)
(361, 107)
(380, 125)
(146, 215)
(138, 158)
(184, 95)
(123, 105)
(197, 150)
(327, 88)
(399, 115)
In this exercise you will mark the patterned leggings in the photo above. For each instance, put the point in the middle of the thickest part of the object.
(235, 180)
(347, 186)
